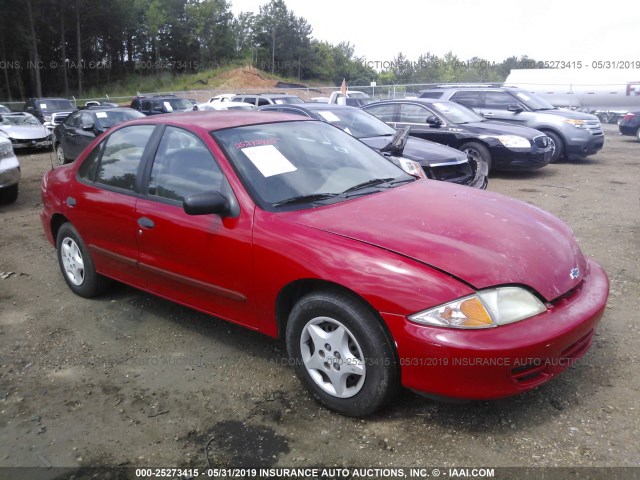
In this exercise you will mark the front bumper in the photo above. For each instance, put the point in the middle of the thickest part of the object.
(580, 148)
(628, 129)
(9, 171)
(506, 360)
(513, 159)
(36, 143)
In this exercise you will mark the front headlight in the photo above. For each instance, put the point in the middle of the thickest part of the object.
(576, 123)
(412, 167)
(6, 150)
(514, 141)
(485, 309)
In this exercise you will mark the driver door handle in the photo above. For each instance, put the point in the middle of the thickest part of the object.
(145, 222)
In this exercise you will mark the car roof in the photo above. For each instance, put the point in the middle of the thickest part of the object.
(210, 120)
(266, 95)
(424, 101)
(96, 108)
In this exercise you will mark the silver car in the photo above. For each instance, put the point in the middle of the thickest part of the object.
(9, 172)
(24, 130)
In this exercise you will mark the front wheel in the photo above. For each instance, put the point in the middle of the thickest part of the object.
(9, 194)
(342, 353)
(638, 134)
(557, 145)
(76, 263)
(479, 154)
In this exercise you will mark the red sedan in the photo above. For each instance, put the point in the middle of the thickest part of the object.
(375, 279)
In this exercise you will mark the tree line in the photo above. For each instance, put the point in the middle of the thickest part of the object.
(65, 47)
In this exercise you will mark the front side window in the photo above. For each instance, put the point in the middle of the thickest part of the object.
(183, 166)
(73, 120)
(121, 157)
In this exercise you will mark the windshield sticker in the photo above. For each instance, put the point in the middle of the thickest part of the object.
(269, 160)
(43, 106)
(168, 106)
(329, 116)
(257, 143)
(101, 114)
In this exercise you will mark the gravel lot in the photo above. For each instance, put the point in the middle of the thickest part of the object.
(130, 379)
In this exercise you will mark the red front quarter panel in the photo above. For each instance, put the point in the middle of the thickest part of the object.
(285, 252)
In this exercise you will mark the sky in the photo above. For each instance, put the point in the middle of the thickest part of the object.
(568, 31)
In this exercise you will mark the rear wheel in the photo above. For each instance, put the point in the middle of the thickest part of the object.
(342, 353)
(638, 134)
(480, 154)
(76, 263)
(60, 154)
(557, 145)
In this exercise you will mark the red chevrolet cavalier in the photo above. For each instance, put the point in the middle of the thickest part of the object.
(375, 279)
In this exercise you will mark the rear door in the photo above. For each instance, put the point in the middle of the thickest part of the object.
(102, 204)
(203, 261)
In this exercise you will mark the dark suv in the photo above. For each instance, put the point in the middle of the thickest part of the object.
(50, 111)
(262, 99)
(158, 104)
(574, 134)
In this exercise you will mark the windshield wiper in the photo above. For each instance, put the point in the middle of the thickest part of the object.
(369, 183)
(312, 197)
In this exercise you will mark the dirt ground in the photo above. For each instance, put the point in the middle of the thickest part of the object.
(130, 379)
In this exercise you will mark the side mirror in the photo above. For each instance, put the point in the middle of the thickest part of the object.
(206, 203)
(433, 121)
(515, 108)
(89, 127)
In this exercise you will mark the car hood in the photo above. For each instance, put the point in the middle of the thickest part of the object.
(495, 128)
(566, 113)
(482, 238)
(422, 151)
(25, 132)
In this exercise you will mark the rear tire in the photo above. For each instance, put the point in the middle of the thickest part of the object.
(62, 159)
(342, 353)
(76, 264)
(558, 146)
(9, 194)
(638, 134)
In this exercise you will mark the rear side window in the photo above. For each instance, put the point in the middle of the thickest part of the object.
(413, 114)
(385, 112)
(468, 99)
(499, 100)
(430, 94)
(121, 157)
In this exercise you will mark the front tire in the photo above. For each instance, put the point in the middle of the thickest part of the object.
(76, 263)
(638, 134)
(558, 146)
(342, 353)
(480, 154)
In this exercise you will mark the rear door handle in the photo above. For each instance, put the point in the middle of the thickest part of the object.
(145, 222)
(488, 115)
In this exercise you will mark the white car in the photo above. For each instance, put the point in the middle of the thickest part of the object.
(223, 97)
(24, 130)
(9, 172)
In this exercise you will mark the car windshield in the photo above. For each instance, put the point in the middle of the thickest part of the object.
(356, 122)
(534, 102)
(304, 164)
(19, 120)
(108, 119)
(56, 105)
(284, 100)
(456, 113)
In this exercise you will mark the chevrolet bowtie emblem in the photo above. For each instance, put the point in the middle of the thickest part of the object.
(574, 273)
